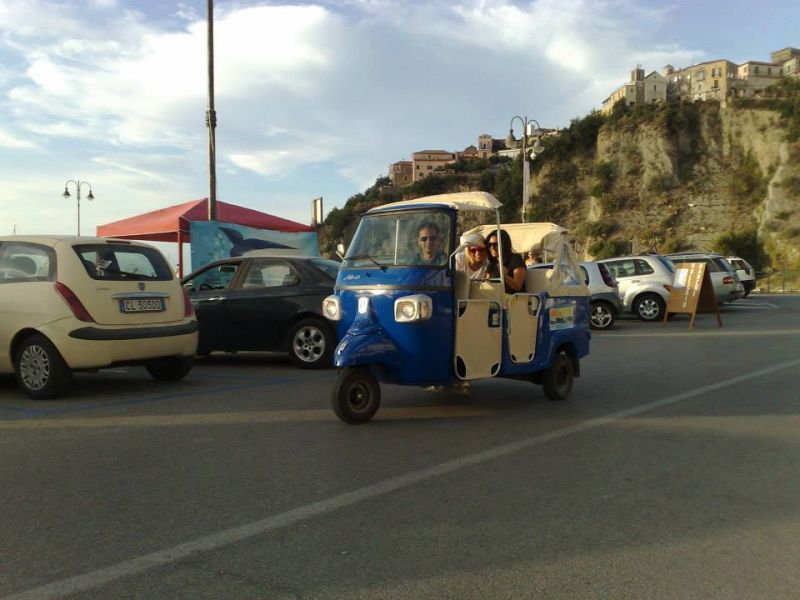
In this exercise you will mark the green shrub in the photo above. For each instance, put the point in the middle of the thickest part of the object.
(605, 173)
(746, 185)
(608, 248)
(744, 244)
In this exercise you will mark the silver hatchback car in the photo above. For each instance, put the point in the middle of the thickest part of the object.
(727, 285)
(645, 282)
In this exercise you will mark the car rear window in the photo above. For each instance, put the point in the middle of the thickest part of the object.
(667, 263)
(123, 262)
(722, 264)
(26, 262)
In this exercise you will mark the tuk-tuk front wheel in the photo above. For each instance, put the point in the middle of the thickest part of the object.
(356, 395)
(557, 380)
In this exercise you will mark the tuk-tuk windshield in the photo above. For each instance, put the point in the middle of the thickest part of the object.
(418, 238)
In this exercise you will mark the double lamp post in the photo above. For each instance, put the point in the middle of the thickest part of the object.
(78, 184)
(527, 155)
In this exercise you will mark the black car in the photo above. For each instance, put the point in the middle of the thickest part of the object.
(265, 303)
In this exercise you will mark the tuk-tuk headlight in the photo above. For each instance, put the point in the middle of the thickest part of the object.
(413, 308)
(331, 308)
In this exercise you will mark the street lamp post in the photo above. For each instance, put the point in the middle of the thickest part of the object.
(535, 150)
(78, 183)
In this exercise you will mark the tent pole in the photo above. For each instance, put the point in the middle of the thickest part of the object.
(180, 253)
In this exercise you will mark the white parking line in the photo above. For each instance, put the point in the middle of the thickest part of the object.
(716, 332)
(141, 564)
(757, 304)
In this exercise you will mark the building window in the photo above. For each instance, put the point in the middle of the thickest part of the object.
(716, 84)
(756, 68)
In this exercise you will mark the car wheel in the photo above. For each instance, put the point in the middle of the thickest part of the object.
(356, 395)
(557, 380)
(649, 307)
(170, 368)
(602, 315)
(311, 344)
(40, 370)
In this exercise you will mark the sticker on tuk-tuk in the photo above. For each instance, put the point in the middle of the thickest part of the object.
(562, 318)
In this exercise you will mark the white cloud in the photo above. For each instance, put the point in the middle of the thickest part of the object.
(9, 140)
(334, 91)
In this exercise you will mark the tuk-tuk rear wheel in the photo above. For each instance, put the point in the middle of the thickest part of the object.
(356, 395)
(557, 380)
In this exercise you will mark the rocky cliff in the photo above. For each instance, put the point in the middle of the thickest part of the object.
(683, 176)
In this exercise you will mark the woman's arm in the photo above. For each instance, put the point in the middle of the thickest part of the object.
(517, 279)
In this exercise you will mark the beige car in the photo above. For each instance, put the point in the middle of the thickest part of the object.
(79, 303)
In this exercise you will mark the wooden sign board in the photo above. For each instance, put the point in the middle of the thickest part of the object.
(692, 292)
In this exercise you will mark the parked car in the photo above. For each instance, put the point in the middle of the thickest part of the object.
(265, 303)
(606, 303)
(80, 303)
(644, 281)
(746, 273)
(724, 279)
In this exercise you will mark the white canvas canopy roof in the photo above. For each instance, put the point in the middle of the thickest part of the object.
(528, 236)
(565, 278)
(458, 200)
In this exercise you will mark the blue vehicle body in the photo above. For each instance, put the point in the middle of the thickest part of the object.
(373, 337)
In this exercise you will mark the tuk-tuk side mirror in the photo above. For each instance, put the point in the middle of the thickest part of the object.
(340, 250)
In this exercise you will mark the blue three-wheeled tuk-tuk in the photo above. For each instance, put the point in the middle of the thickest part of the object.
(405, 315)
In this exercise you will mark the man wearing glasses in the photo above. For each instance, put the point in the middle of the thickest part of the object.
(429, 240)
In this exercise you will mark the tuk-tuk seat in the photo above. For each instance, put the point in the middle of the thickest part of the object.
(483, 290)
(537, 280)
(461, 285)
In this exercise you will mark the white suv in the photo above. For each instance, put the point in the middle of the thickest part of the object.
(746, 273)
(645, 282)
(80, 303)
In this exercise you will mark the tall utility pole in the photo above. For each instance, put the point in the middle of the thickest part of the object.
(211, 121)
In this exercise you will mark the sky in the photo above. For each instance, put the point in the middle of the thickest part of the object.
(312, 99)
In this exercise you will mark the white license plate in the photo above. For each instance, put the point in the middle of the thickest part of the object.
(141, 305)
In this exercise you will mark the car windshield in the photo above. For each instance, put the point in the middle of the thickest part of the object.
(120, 262)
(329, 267)
(418, 238)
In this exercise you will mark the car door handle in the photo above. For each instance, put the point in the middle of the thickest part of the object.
(212, 299)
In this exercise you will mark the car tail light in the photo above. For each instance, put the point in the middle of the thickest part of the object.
(727, 280)
(608, 278)
(75, 305)
(188, 309)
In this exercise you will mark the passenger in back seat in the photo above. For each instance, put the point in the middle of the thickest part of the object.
(472, 260)
(514, 271)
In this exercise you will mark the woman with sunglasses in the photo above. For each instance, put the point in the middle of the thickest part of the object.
(472, 260)
(513, 268)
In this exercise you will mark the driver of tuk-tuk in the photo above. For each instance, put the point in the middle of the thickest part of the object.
(429, 240)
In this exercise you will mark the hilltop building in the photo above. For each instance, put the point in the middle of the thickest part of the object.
(429, 162)
(710, 80)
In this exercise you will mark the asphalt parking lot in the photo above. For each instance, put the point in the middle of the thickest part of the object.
(671, 472)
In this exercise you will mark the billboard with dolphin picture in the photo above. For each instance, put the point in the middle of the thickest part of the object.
(214, 240)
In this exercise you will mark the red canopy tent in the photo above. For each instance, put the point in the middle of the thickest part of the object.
(172, 224)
